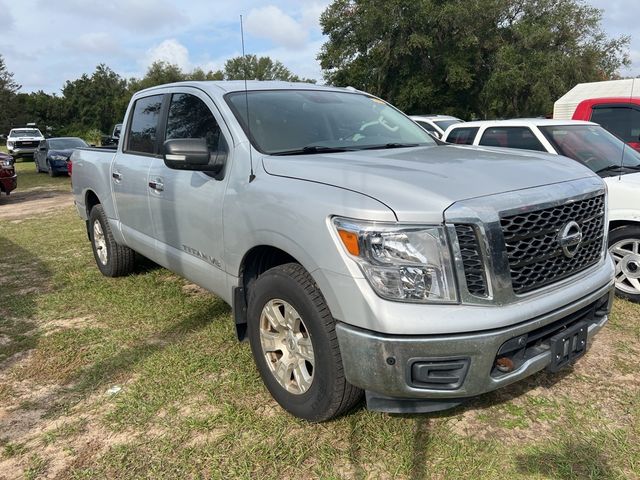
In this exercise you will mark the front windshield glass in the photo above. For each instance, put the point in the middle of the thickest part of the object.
(25, 133)
(594, 147)
(66, 143)
(311, 121)
(444, 124)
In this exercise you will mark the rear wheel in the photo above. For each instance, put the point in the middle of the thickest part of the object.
(294, 344)
(624, 246)
(113, 259)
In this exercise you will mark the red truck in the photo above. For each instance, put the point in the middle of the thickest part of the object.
(613, 104)
(8, 177)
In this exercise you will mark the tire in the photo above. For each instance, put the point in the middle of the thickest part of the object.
(319, 390)
(50, 170)
(113, 259)
(624, 246)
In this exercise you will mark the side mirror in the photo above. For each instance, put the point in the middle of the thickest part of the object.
(193, 154)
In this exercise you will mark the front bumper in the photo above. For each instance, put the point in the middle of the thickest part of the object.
(8, 184)
(19, 151)
(384, 365)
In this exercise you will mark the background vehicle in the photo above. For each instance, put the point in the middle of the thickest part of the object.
(114, 138)
(615, 105)
(23, 141)
(359, 253)
(53, 154)
(594, 147)
(8, 177)
(435, 124)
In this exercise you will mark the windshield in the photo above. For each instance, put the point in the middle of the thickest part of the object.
(66, 143)
(25, 133)
(594, 147)
(308, 121)
(444, 124)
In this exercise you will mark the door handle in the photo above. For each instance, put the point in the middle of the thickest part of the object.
(116, 175)
(157, 186)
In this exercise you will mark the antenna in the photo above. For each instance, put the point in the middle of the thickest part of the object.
(252, 177)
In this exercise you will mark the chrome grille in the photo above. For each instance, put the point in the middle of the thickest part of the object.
(535, 256)
(474, 272)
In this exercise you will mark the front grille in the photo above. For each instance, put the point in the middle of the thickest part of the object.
(535, 256)
(474, 272)
(24, 143)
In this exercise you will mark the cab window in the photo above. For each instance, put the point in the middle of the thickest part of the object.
(622, 121)
(511, 137)
(144, 125)
(463, 135)
(189, 117)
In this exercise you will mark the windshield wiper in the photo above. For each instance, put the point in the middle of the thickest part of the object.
(388, 145)
(610, 168)
(313, 149)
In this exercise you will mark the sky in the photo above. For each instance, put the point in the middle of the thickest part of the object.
(45, 42)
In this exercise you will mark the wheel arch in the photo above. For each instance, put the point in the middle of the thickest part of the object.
(613, 224)
(255, 261)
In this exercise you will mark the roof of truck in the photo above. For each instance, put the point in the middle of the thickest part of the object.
(566, 105)
(239, 85)
(517, 122)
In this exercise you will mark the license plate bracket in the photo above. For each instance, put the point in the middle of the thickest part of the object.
(567, 346)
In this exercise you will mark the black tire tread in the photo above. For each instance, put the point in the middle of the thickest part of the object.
(121, 258)
(345, 396)
(617, 234)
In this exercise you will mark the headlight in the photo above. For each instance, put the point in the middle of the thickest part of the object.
(409, 263)
(7, 162)
(10, 144)
(59, 157)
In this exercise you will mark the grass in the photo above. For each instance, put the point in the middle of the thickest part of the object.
(191, 403)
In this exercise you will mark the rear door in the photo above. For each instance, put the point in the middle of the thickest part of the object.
(621, 119)
(130, 171)
(186, 206)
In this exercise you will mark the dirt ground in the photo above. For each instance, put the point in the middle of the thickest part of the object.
(33, 202)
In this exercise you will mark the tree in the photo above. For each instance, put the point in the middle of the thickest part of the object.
(259, 68)
(94, 102)
(8, 90)
(472, 59)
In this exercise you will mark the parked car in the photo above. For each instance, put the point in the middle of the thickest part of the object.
(614, 104)
(594, 147)
(23, 141)
(435, 124)
(53, 154)
(8, 177)
(114, 138)
(359, 253)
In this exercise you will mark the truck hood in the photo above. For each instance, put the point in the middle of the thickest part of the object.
(419, 183)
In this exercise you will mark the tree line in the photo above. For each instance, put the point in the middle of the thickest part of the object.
(90, 105)
(469, 58)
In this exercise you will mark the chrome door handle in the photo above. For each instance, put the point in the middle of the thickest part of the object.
(157, 186)
(116, 175)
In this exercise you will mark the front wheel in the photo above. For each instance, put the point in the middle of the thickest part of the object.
(624, 246)
(294, 344)
(113, 259)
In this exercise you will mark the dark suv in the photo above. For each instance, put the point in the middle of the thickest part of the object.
(8, 177)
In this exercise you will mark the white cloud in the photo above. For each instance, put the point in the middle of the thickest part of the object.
(93, 42)
(170, 51)
(275, 25)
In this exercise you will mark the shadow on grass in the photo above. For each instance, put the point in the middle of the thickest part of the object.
(22, 278)
(575, 459)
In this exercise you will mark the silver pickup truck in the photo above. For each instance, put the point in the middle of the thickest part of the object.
(360, 255)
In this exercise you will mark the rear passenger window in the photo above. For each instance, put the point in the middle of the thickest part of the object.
(189, 117)
(511, 137)
(621, 121)
(463, 136)
(144, 125)
(426, 126)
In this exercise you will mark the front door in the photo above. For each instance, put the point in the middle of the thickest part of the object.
(186, 206)
(130, 172)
